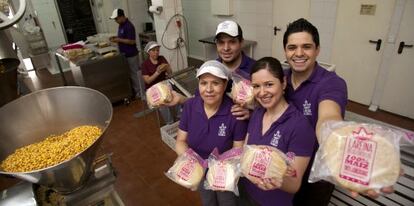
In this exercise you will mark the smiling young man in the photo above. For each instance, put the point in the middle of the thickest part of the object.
(319, 94)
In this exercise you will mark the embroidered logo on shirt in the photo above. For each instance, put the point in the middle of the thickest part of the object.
(222, 130)
(275, 139)
(307, 108)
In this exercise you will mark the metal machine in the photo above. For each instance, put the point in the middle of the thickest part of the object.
(80, 180)
(8, 57)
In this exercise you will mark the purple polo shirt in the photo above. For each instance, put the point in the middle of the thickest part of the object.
(127, 31)
(321, 85)
(205, 134)
(290, 133)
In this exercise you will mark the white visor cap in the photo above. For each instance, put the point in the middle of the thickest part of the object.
(215, 68)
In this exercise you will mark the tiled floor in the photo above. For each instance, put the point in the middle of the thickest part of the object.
(141, 158)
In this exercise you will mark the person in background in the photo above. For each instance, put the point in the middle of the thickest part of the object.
(229, 42)
(206, 123)
(156, 69)
(127, 46)
(278, 124)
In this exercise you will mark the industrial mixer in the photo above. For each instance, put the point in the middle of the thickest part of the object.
(80, 180)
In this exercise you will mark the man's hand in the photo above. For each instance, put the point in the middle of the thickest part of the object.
(373, 193)
(240, 112)
(114, 39)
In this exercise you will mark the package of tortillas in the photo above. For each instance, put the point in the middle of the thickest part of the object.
(159, 94)
(188, 170)
(223, 170)
(242, 91)
(357, 156)
(259, 161)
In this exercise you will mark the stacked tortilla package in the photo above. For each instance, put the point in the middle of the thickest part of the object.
(357, 156)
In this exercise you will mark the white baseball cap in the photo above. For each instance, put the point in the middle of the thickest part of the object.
(150, 45)
(215, 68)
(228, 27)
(116, 13)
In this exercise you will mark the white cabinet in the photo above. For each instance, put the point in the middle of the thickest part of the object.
(49, 20)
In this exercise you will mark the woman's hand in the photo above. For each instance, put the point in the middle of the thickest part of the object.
(267, 183)
(162, 68)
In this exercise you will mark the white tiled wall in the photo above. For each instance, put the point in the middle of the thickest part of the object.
(255, 18)
(323, 16)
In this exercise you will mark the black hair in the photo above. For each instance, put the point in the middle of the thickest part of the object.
(120, 12)
(301, 25)
(272, 65)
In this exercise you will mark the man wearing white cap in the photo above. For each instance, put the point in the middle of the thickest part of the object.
(207, 123)
(229, 41)
(128, 47)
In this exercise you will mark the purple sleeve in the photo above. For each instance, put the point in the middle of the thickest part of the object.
(334, 89)
(240, 130)
(185, 116)
(303, 139)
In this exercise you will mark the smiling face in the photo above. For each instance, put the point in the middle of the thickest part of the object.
(267, 89)
(301, 52)
(211, 88)
(228, 48)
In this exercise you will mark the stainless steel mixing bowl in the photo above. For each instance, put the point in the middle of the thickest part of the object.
(33, 117)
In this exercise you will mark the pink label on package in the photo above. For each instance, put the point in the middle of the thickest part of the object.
(244, 87)
(220, 176)
(187, 169)
(359, 157)
(260, 164)
(155, 94)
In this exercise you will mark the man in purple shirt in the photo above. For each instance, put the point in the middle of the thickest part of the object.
(127, 46)
(319, 94)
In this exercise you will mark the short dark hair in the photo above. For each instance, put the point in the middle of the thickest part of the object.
(301, 25)
(272, 65)
(120, 12)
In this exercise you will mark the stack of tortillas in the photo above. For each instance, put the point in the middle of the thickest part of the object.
(158, 94)
(242, 91)
(260, 161)
(360, 157)
(187, 170)
(222, 175)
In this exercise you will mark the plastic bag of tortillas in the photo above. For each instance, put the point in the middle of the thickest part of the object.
(188, 170)
(242, 91)
(357, 156)
(159, 94)
(263, 162)
(223, 170)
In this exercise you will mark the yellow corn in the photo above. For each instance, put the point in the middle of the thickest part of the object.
(51, 151)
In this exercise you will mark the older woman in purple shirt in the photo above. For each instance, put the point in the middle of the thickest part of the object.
(278, 124)
(207, 122)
